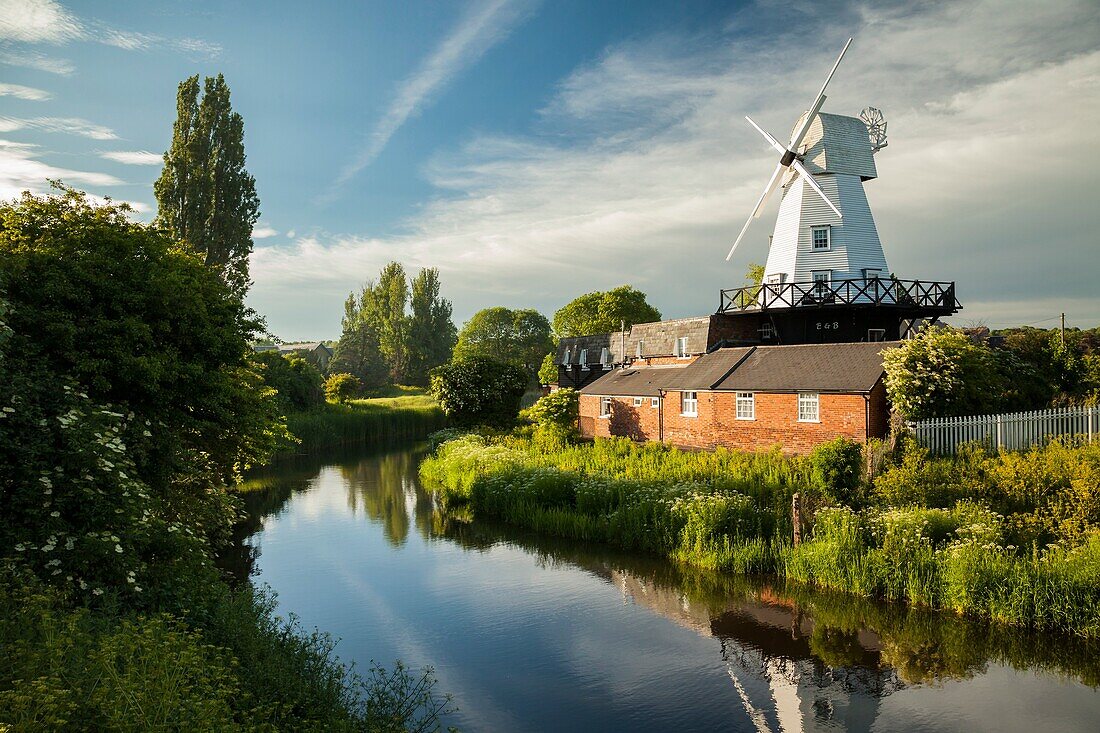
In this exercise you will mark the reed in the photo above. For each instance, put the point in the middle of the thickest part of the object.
(365, 422)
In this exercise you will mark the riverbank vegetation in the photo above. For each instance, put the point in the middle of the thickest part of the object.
(1011, 537)
(128, 405)
(366, 422)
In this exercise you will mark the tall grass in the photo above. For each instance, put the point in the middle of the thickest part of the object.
(730, 511)
(369, 422)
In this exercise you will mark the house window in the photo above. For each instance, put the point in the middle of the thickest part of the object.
(584, 359)
(871, 273)
(767, 331)
(605, 407)
(654, 402)
(637, 401)
(821, 238)
(808, 407)
(565, 358)
(605, 357)
(682, 346)
(689, 404)
(822, 278)
(746, 406)
(876, 334)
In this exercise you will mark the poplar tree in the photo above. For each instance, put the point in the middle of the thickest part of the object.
(205, 197)
(431, 333)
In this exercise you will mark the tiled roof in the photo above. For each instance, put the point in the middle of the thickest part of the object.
(635, 382)
(854, 367)
(594, 346)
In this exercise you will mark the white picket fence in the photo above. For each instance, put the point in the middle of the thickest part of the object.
(1010, 431)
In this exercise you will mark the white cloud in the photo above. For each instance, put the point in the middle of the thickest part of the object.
(20, 170)
(46, 21)
(37, 21)
(65, 125)
(486, 23)
(36, 61)
(21, 92)
(643, 170)
(263, 232)
(133, 157)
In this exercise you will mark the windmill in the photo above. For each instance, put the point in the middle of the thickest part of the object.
(824, 231)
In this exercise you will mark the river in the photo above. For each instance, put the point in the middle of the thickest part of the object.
(534, 634)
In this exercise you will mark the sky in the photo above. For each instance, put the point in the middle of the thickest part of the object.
(534, 151)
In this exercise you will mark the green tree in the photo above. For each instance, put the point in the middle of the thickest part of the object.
(298, 384)
(205, 197)
(941, 373)
(386, 305)
(603, 312)
(555, 415)
(342, 387)
(431, 333)
(479, 390)
(358, 352)
(548, 372)
(519, 336)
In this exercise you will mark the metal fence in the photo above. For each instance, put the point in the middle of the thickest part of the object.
(1011, 431)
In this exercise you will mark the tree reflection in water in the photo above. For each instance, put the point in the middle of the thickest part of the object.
(797, 657)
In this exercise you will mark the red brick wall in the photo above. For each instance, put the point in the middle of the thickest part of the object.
(776, 421)
(639, 423)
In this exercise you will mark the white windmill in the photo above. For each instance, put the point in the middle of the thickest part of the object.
(825, 231)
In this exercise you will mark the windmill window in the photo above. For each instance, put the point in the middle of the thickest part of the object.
(808, 405)
(822, 278)
(821, 237)
(637, 401)
(689, 404)
(682, 347)
(584, 359)
(871, 273)
(605, 407)
(746, 406)
(775, 279)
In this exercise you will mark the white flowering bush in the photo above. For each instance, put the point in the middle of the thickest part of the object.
(941, 373)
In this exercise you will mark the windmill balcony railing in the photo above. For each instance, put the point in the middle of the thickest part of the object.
(860, 291)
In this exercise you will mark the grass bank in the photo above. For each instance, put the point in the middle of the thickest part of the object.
(1013, 538)
(408, 415)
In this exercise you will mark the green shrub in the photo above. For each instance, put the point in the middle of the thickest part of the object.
(479, 391)
(838, 470)
(555, 415)
(342, 387)
(298, 384)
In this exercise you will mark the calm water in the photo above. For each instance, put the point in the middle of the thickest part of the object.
(531, 634)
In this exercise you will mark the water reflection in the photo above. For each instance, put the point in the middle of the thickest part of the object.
(796, 659)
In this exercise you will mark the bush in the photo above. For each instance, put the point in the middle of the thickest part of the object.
(477, 390)
(838, 470)
(298, 384)
(342, 387)
(941, 373)
(555, 415)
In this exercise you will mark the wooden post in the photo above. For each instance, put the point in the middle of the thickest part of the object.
(796, 518)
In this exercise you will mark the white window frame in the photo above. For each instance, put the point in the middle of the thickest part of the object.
(583, 359)
(828, 238)
(880, 334)
(689, 406)
(605, 357)
(745, 404)
(776, 278)
(637, 401)
(565, 358)
(654, 402)
(682, 346)
(819, 277)
(767, 330)
(870, 273)
(809, 407)
(605, 407)
(638, 350)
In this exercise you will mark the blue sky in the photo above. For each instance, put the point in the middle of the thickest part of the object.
(534, 151)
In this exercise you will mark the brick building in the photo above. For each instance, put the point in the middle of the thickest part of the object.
(751, 397)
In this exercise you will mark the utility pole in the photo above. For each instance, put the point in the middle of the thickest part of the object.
(1063, 330)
